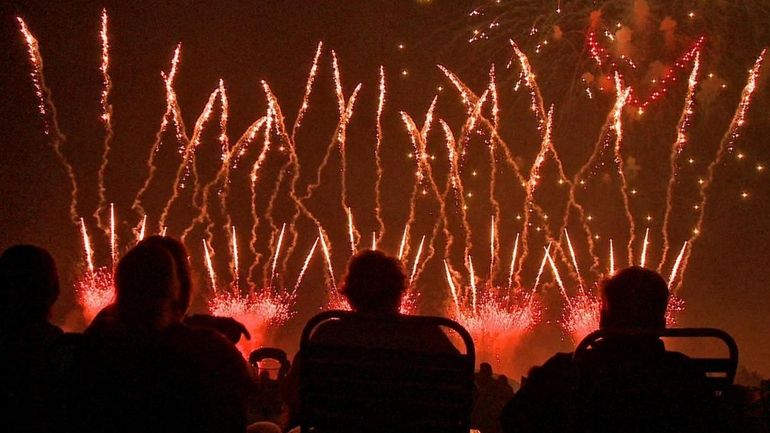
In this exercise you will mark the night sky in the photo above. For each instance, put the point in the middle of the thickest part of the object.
(727, 283)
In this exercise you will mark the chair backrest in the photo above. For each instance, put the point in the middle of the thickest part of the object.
(720, 372)
(273, 353)
(376, 389)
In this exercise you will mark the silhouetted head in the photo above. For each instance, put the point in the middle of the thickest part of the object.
(29, 283)
(634, 298)
(147, 287)
(374, 282)
(179, 254)
(485, 369)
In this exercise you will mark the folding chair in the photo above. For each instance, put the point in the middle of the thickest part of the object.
(372, 389)
(720, 372)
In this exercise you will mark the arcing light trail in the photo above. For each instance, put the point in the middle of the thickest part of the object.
(492, 310)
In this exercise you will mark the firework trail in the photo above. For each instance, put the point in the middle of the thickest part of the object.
(170, 113)
(402, 246)
(529, 197)
(188, 159)
(676, 150)
(416, 261)
(305, 264)
(545, 127)
(645, 243)
(574, 261)
(142, 229)
(419, 141)
(276, 255)
(494, 247)
(202, 197)
(617, 127)
(106, 116)
(113, 238)
(558, 279)
(89, 252)
(279, 125)
(254, 177)
(612, 259)
(418, 138)
(492, 255)
(540, 271)
(459, 192)
(339, 139)
(677, 263)
(293, 158)
(378, 159)
(210, 266)
(474, 292)
(452, 288)
(513, 261)
(327, 256)
(235, 265)
(308, 89)
(351, 232)
(223, 177)
(725, 146)
(47, 112)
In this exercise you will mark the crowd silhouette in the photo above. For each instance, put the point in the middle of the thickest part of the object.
(145, 364)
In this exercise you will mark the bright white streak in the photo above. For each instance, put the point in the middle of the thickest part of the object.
(452, 288)
(113, 237)
(325, 249)
(403, 243)
(644, 247)
(491, 250)
(513, 260)
(305, 264)
(87, 246)
(473, 282)
(277, 253)
(542, 266)
(558, 278)
(351, 231)
(677, 263)
(416, 261)
(235, 257)
(612, 258)
(210, 266)
(142, 228)
(574, 259)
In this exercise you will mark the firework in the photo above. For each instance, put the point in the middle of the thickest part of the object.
(106, 116)
(47, 111)
(259, 312)
(95, 290)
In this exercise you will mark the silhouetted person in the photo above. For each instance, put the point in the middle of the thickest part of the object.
(144, 370)
(374, 286)
(492, 394)
(623, 384)
(29, 286)
(227, 326)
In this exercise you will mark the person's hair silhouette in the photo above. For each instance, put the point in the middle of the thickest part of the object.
(29, 283)
(374, 282)
(147, 287)
(634, 298)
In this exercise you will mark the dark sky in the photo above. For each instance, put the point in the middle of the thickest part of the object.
(727, 284)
